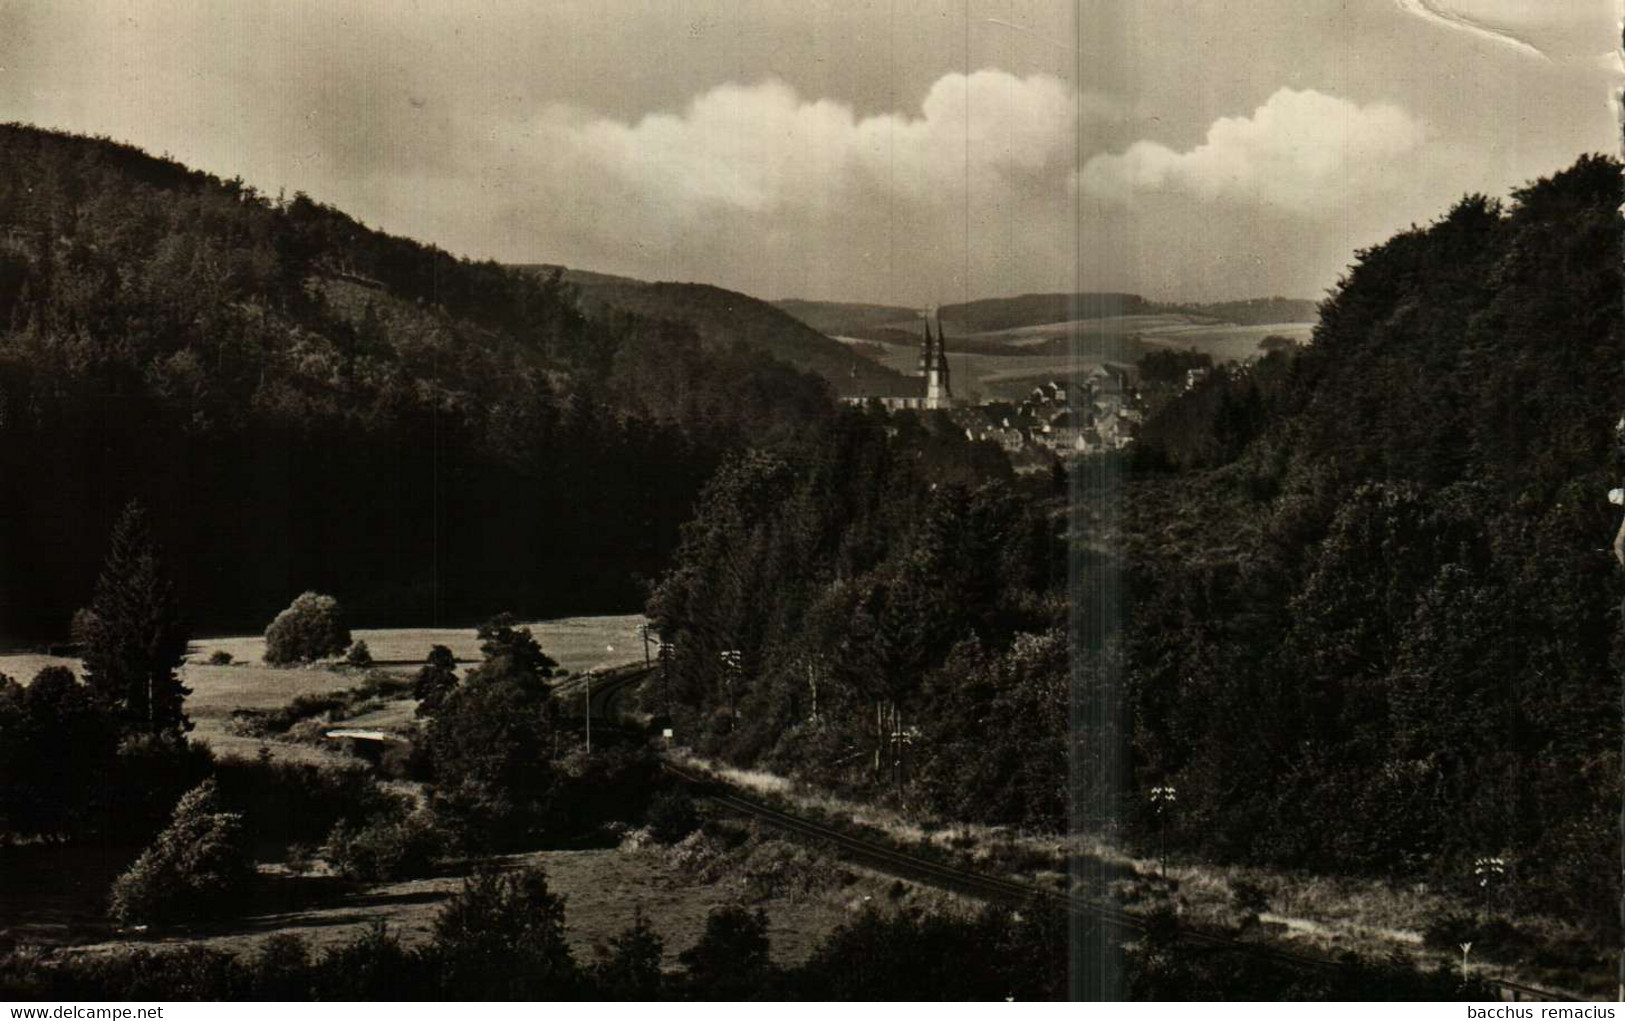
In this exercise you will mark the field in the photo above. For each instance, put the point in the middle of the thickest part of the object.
(49, 904)
(55, 896)
(1061, 350)
(578, 643)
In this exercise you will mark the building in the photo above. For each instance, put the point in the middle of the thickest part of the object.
(935, 391)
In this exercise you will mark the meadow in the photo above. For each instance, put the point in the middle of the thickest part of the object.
(1037, 354)
(577, 643)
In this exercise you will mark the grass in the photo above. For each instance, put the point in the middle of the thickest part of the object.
(578, 643)
(602, 887)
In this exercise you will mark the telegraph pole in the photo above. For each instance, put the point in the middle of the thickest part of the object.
(589, 712)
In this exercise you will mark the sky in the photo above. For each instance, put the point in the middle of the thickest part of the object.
(897, 152)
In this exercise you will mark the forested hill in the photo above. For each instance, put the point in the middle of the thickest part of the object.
(1370, 622)
(304, 402)
(723, 319)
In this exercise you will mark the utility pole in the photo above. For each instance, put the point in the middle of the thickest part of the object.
(732, 667)
(589, 712)
(643, 632)
(666, 653)
(1162, 800)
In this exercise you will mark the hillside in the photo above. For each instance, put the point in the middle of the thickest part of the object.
(1370, 627)
(304, 402)
(722, 319)
(848, 319)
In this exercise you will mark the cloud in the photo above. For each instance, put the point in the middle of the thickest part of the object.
(763, 148)
(744, 177)
(1302, 151)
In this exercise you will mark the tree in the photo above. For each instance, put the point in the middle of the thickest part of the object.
(198, 867)
(502, 938)
(133, 634)
(491, 742)
(312, 627)
(511, 650)
(630, 969)
(435, 679)
(730, 962)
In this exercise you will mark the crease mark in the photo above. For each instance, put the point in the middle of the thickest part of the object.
(1431, 10)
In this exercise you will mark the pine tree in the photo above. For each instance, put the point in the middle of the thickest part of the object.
(133, 634)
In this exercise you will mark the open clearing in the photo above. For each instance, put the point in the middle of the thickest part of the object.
(578, 643)
(602, 887)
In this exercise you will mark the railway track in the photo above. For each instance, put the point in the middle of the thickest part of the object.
(1005, 891)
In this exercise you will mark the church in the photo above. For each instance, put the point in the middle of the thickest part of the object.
(935, 387)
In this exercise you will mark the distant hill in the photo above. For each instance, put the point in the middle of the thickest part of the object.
(723, 319)
(989, 314)
(1256, 311)
(848, 319)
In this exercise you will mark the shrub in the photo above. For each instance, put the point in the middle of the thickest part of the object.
(730, 962)
(311, 628)
(220, 657)
(359, 655)
(373, 966)
(778, 868)
(197, 868)
(672, 816)
(502, 937)
(436, 678)
(281, 969)
(629, 969)
(299, 802)
(1249, 901)
(400, 845)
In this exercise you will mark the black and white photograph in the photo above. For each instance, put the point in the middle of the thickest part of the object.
(811, 500)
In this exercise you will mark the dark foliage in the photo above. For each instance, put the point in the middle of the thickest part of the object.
(817, 590)
(730, 961)
(200, 867)
(239, 363)
(1382, 637)
(312, 627)
(492, 741)
(502, 937)
(132, 634)
(434, 680)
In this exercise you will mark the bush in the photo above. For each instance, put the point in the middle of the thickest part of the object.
(311, 628)
(373, 967)
(402, 845)
(629, 968)
(220, 657)
(730, 962)
(436, 678)
(672, 816)
(359, 655)
(502, 937)
(1249, 902)
(197, 868)
(299, 802)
